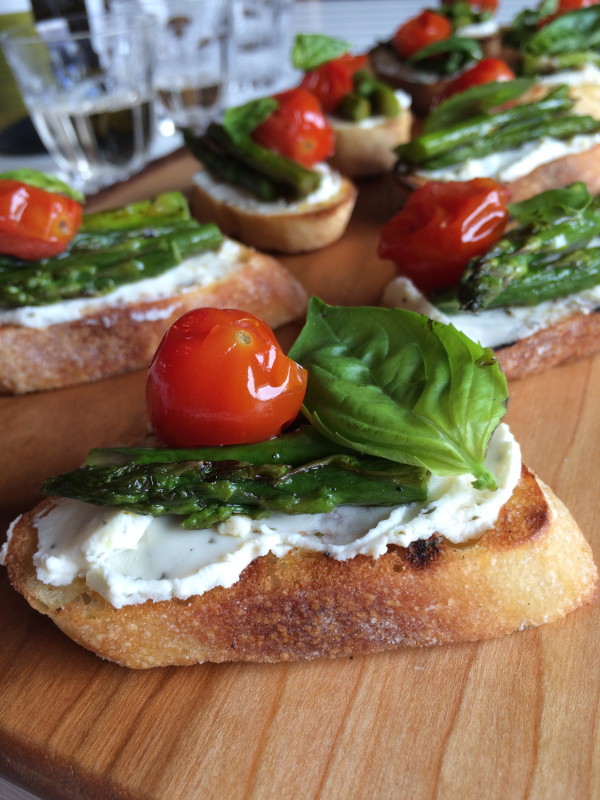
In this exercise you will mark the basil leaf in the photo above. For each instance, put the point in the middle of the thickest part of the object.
(553, 205)
(41, 180)
(396, 384)
(577, 30)
(474, 101)
(240, 121)
(446, 56)
(310, 50)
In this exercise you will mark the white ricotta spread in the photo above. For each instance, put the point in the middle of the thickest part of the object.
(199, 270)
(130, 558)
(478, 30)
(509, 165)
(589, 73)
(496, 326)
(329, 187)
(404, 102)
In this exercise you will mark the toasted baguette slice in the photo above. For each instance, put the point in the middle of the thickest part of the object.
(364, 151)
(301, 227)
(109, 339)
(532, 567)
(568, 340)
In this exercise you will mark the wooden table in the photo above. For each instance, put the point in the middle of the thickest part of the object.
(512, 718)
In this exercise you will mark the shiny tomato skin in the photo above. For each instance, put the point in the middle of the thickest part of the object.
(485, 71)
(332, 81)
(220, 377)
(420, 31)
(35, 223)
(564, 6)
(298, 129)
(442, 226)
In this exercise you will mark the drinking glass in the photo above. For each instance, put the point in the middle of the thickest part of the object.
(191, 59)
(259, 45)
(87, 83)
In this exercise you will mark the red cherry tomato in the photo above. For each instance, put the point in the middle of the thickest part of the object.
(485, 71)
(441, 227)
(220, 377)
(333, 80)
(427, 28)
(564, 6)
(298, 129)
(35, 223)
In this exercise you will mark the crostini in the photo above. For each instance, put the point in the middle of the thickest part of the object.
(400, 515)
(422, 57)
(496, 130)
(369, 118)
(523, 279)
(101, 305)
(265, 179)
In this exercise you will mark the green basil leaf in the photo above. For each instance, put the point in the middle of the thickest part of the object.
(577, 30)
(42, 180)
(310, 50)
(553, 205)
(474, 101)
(396, 384)
(446, 56)
(240, 121)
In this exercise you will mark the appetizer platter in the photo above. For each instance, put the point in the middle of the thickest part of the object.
(397, 531)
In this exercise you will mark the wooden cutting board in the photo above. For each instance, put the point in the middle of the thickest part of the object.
(511, 718)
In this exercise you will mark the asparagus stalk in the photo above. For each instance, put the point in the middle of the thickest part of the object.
(529, 130)
(96, 273)
(299, 180)
(165, 206)
(210, 491)
(300, 446)
(572, 273)
(232, 171)
(480, 130)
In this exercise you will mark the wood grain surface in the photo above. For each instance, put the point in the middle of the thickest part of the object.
(512, 718)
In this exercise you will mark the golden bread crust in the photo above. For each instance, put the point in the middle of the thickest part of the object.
(362, 152)
(120, 339)
(570, 339)
(311, 228)
(532, 567)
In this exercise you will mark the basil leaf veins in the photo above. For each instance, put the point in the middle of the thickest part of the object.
(552, 205)
(396, 384)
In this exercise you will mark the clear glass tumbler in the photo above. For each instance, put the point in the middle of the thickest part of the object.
(191, 59)
(87, 82)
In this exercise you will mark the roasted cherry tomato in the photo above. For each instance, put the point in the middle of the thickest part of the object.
(35, 223)
(220, 377)
(484, 71)
(332, 81)
(441, 227)
(298, 129)
(564, 6)
(427, 28)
